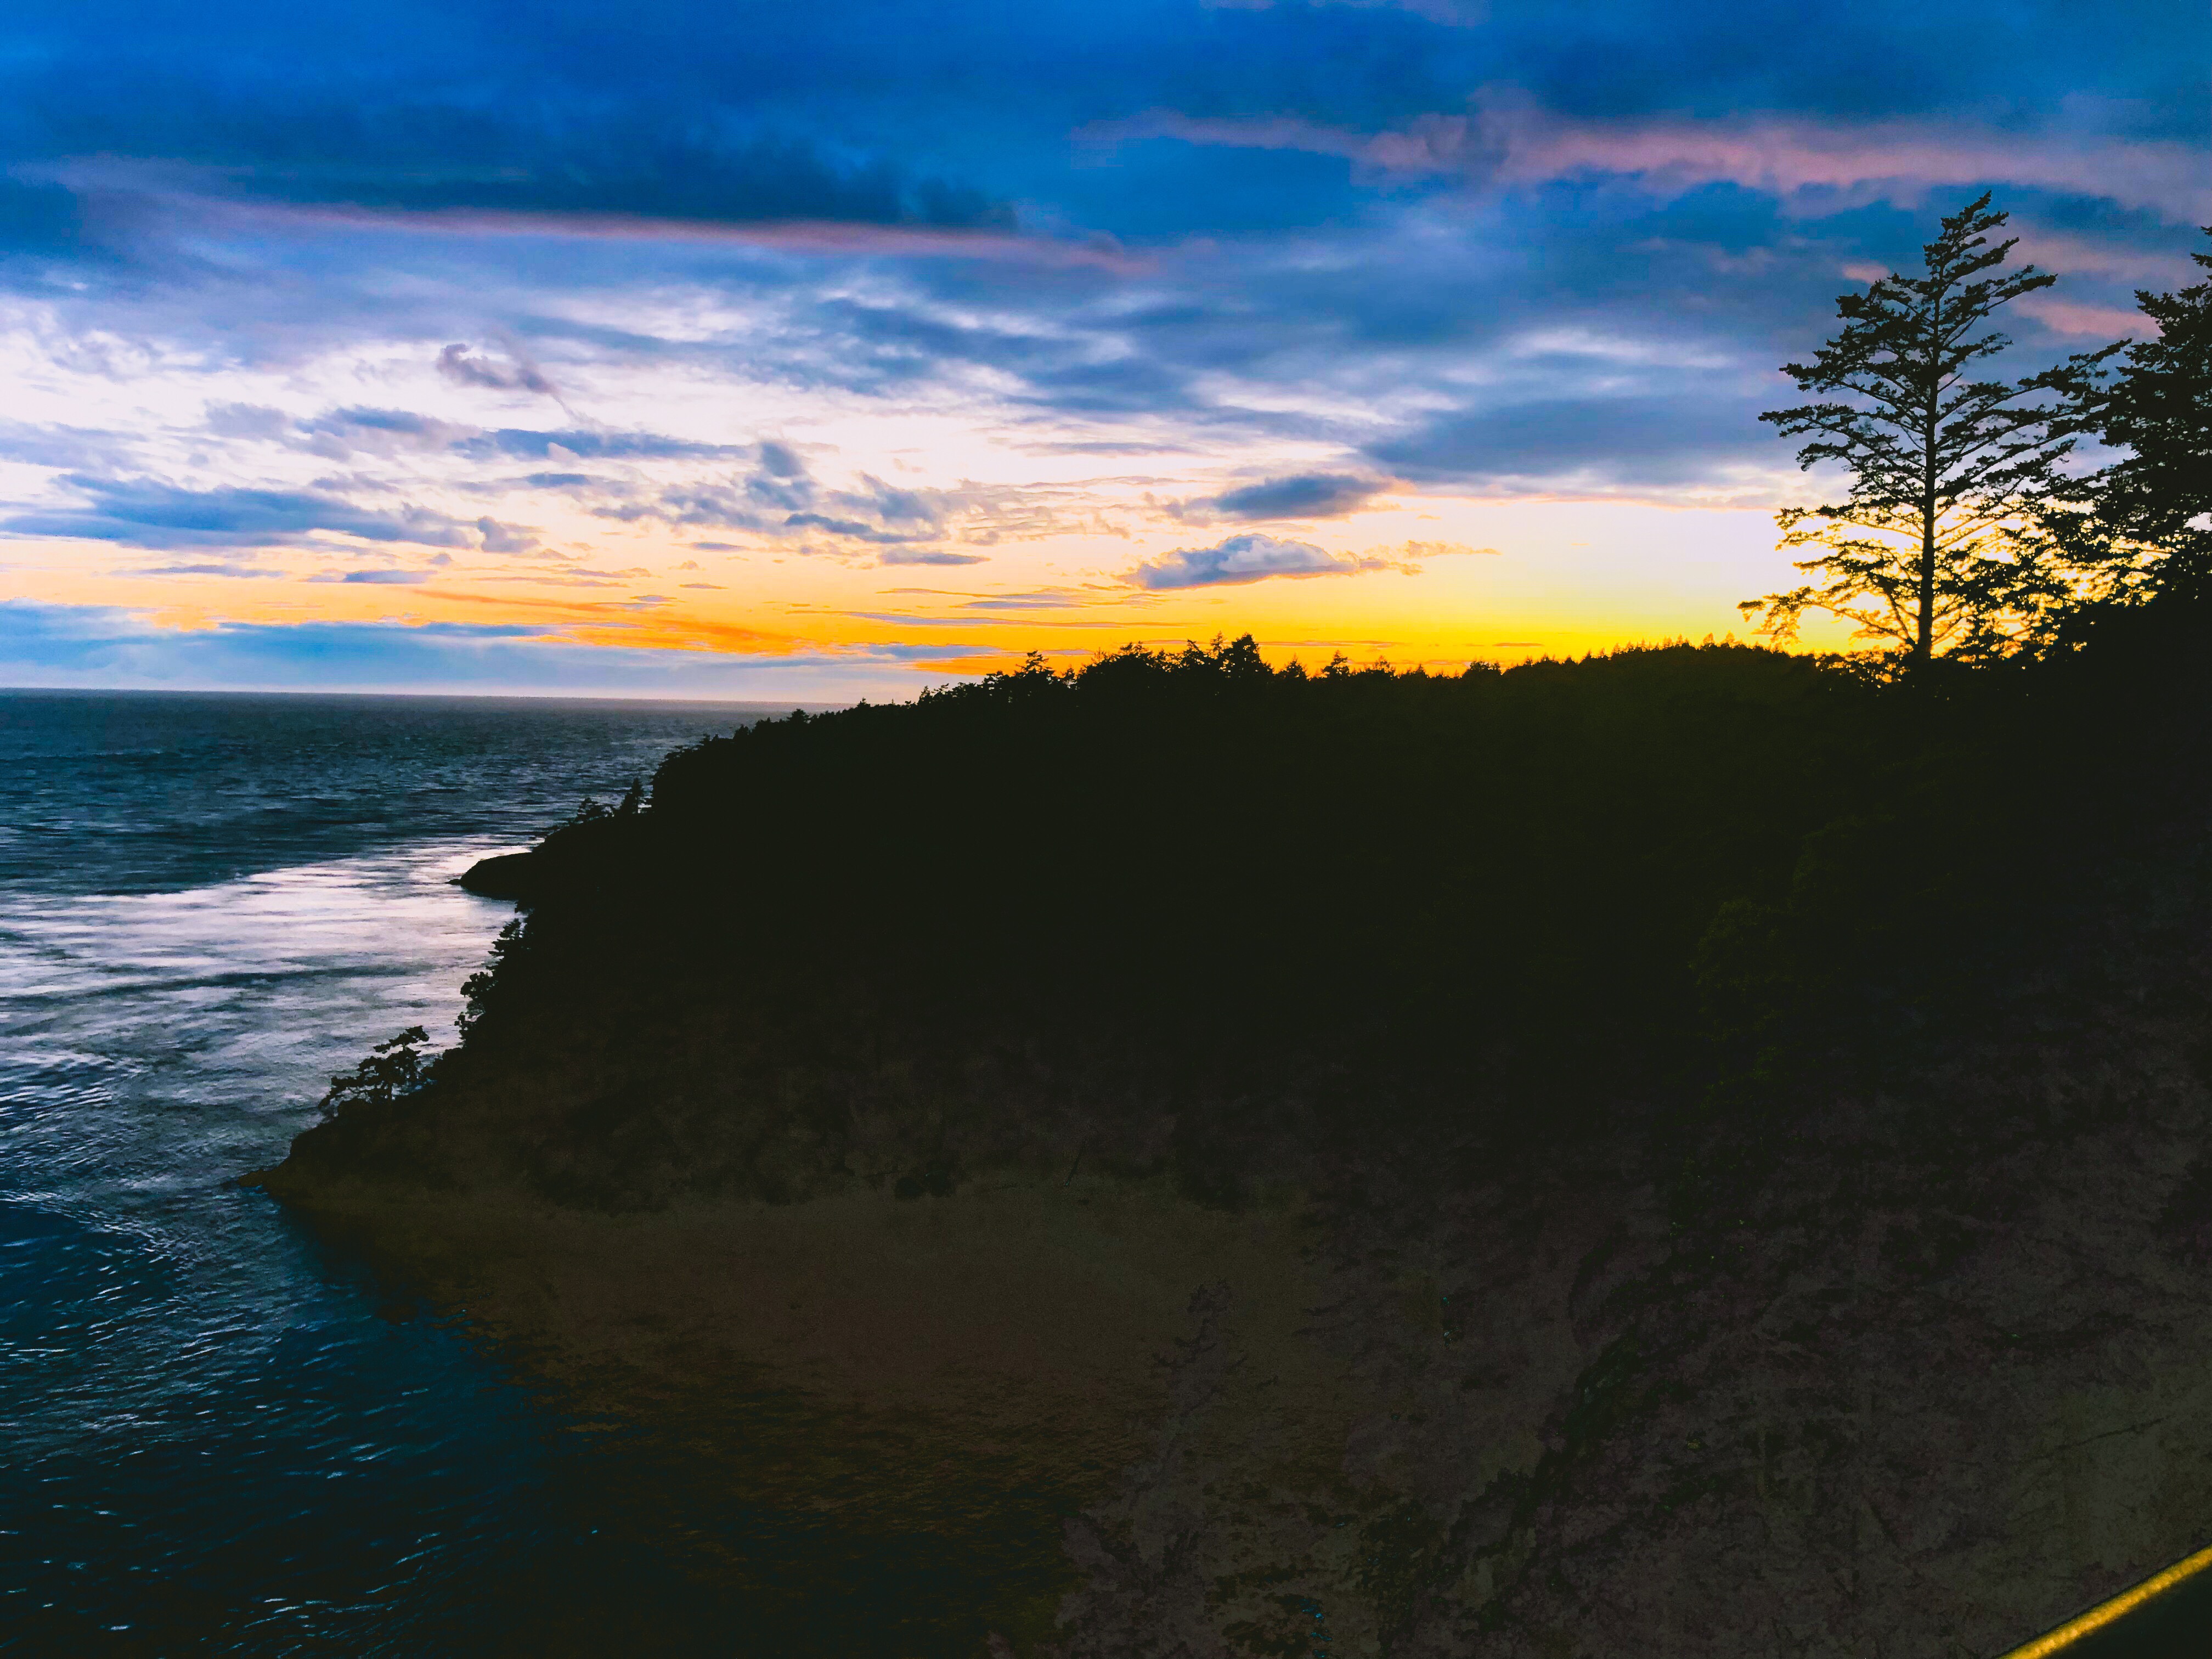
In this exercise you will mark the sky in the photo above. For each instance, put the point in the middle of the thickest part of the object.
(757, 350)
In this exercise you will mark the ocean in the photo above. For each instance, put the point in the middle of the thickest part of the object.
(221, 1436)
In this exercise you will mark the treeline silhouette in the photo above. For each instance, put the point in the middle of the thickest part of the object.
(1185, 911)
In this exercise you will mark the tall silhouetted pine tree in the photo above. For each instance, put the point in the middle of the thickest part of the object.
(1932, 551)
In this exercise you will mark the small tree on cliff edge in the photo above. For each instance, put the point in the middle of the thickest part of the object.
(1930, 552)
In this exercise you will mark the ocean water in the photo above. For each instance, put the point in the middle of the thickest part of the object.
(217, 1435)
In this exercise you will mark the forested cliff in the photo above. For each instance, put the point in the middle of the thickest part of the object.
(1189, 886)
(1736, 1118)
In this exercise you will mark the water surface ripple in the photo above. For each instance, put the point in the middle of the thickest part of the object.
(221, 1438)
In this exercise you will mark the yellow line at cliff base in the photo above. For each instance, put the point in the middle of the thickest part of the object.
(2107, 1612)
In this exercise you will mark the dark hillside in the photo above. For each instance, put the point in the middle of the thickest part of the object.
(1190, 887)
(1183, 885)
(1734, 1128)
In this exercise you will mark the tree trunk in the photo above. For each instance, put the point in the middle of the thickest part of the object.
(1923, 647)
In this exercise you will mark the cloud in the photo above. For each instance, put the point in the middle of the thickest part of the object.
(1639, 445)
(506, 537)
(702, 506)
(1407, 553)
(1050, 598)
(1513, 142)
(1786, 156)
(892, 504)
(780, 460)
(634, 172)
(389, 578)
(578, 444)
(517, 375)
(1247, 559)
(251, 571)
(779, 496)
(246, 420)
(1300, 495)
(145, 512)
(967, 619)
(341, 433)
(2086, 321)
(927, 555)
(216, 131)
(76, 448)
(850, 528)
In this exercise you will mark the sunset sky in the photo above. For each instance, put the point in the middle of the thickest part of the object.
(769, 351)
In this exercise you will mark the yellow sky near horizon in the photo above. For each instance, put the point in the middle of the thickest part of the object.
(1565, 578)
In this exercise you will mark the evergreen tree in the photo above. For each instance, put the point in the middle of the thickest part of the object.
(1934, 549)
(2145, 524)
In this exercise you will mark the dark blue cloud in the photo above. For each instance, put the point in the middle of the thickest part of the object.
(524, 444)
(144, 513)
(398, 421)
(465, 367)
(72, 448)
(780, 461)
(1301, 495)
(1602, 444)
(1244, 559)
(850, 528)
(352, 138)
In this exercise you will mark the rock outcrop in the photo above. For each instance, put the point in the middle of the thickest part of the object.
(505, 875)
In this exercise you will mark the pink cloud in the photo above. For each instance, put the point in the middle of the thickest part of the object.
(1507, 142)
(2079, 256)
(2066, 316)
